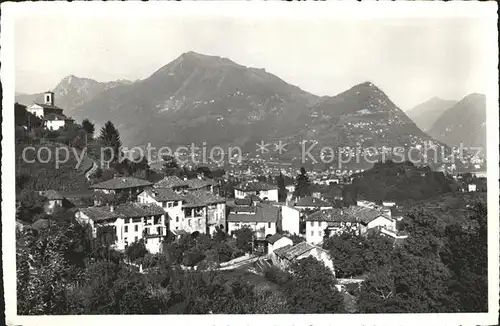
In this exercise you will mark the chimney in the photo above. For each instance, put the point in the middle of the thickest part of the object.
(111, 208)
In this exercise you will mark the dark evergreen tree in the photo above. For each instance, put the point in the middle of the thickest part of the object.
(281, 188)
(110, 138)
(302, 184)
(88, 126)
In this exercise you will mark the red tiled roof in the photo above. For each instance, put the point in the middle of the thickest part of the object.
(47, 106)
(121, 183)
(198, 184)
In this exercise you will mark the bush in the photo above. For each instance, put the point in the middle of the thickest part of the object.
(276, 275)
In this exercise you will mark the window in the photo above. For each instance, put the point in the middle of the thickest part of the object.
(199, 222)
(312, 233)
(136, 228)
(269, 225)
(126, 228)
(136, 238)
(312, 224)
(177, 218)
(170, 205)
(164, 204)
(176, 203)
(189, 222)
(320, 233)
(158, 230)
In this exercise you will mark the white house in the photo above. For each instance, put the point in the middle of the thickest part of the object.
(262, 219)
(203, 212)
(54, 200)
(354, 218)
(283, 257)
(52, 116)
(290, 219)
(53, 121)
(471, 187)
(131, 222)
(277, 241)
(169, 200)
(263, 190)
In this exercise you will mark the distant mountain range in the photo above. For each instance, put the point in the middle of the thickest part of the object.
(73, 91)
(425, 114)
(199, 98)
(463, 123)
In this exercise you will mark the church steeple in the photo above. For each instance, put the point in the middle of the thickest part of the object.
(49, 98)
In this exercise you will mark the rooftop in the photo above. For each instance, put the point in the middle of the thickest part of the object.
(199, 183)
(263, 213)
(55, 116)
(48, 106)
(275, 237)
(255, 186)
(201, 198)
(163, 194)
(311, 201)
(121, 183)
(129, 210)
(292, 252)
(350, 214)
(171, 182)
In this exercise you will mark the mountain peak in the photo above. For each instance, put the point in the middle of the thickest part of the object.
(204, 59)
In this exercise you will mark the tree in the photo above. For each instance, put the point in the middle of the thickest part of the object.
(302, 184)
(136, 250)
(244, 238)
(88, 126)
(281, 188)
(311, 288)
(110, 138)
(171, 166)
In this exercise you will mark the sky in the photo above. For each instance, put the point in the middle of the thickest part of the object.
(411, 60)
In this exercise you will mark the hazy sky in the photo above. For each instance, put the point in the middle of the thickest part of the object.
(411, 60)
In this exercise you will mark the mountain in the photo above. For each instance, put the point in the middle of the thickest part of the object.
(72, 91)
(361, 117)
(465, 122)
(209, 100)
(425, 114)
(199, 98)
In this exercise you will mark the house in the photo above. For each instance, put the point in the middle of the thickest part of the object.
(54, 121)
(312, 203)
(337, 220)
(173, 182)
(290, 219)
(283, 257)
(262, 219)
(130, 222)
(202, 184)
(51, 115)
(332, 219)
(54, 200)
(203, 212)
(169, 200)
(471, 187)
(277, 241)
(261, 189)
(371, 218)
(48, 107)
(127, 185)
(388, 204)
